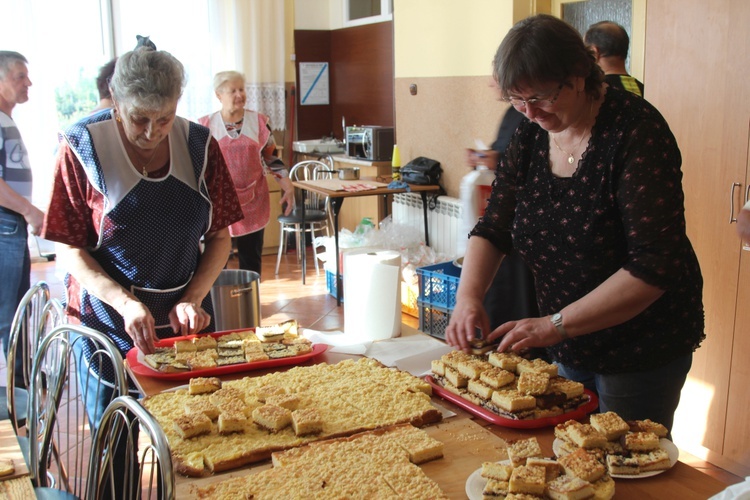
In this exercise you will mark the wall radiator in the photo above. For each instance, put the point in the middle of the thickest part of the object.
(444, 222)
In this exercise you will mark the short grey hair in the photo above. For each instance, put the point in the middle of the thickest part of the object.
(147, 78)
(7, 59)
(223, 77)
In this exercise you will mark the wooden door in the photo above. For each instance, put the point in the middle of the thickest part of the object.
(696, 74)
(737, 436)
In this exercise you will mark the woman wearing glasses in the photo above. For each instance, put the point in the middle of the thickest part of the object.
(589, 193)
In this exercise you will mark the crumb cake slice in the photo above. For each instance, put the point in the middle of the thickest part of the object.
(271, 417)
(583, 465)
(479, 388)
(510, 400)
(648, 426)
(497, 471)
(640, 441)
(201, 405)
(623, 465)
(536, 365)
(202, 385)
(610, 424)
(522, 449)
(230, 422)
(527, 479)
(569, 488)
(586, 436)
(495, 489)
(195, 424)
(505, 360)
(306, 421)
(496, 377)
(533, 383)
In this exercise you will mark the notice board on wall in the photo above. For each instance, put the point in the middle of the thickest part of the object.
(314, 84)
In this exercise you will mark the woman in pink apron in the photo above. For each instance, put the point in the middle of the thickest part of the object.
(248, 146)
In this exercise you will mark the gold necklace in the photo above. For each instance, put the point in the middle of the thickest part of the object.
(145, 165)
(571, 158)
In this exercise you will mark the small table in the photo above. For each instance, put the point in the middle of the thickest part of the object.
(331, 189)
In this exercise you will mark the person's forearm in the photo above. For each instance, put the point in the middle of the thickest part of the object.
(212, 261)
(618, 299)
(480, 264)
(91, 276)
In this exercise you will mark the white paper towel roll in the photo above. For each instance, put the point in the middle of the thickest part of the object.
(372, 295)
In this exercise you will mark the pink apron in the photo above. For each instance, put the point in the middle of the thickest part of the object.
(243, 157)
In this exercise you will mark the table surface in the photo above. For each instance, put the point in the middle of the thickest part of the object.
(17, 485)
(469, 441)
(323, 187)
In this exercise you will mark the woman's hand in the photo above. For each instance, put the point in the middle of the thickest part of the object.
(188, 318)
(468, 316)
(525, 333)
(139, 324)
(288, 194)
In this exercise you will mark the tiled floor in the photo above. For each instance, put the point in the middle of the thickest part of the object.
(284, 297)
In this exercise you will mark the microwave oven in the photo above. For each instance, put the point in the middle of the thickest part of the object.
(369, 142)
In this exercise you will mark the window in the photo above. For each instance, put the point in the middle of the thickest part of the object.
(359, 12)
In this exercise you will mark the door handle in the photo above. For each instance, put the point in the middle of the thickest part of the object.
(732, 218)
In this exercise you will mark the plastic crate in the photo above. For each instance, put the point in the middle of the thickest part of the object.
(331, 285)
(433, 320)
(438, 284)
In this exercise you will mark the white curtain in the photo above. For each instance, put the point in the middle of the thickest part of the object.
(248, 36)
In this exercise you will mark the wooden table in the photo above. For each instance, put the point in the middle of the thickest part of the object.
(17, 485)
(469, 441)
(332, 189)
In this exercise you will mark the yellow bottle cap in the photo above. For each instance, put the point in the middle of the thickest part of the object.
(396, 159)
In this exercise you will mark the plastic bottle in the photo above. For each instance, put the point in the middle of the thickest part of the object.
(474, 191)
(396, 164)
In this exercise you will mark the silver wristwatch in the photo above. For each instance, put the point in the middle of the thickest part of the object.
(557, 320)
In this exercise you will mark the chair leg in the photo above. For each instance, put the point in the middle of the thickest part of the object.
(282, 245)
(299, 233)
(315, 252)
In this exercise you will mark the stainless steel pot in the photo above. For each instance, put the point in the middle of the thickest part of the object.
(349, 173)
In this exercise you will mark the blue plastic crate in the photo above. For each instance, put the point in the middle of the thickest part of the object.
(433, 320)
(331, 285)
(438, 284)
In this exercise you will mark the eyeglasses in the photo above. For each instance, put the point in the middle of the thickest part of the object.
(542, 101)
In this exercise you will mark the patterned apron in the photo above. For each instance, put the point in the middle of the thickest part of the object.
(151, 229)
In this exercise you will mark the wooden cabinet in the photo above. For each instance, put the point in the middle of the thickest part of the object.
(696, 74)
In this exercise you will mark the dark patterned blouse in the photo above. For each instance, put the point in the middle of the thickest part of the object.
(622, 208)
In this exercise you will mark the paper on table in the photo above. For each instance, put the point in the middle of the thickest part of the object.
(341, 342)
(413, 353)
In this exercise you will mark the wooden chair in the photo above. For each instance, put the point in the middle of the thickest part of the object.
(59, 425)
(150, 465)
(316, 213)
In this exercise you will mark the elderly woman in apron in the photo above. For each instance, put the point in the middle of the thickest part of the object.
(141, 204)
(249, 150)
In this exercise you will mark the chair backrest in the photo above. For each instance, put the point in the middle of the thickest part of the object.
(145, 465)
(309, 170)
(59, 423)
(25, 334)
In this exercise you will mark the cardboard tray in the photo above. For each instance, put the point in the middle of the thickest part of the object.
(139, 367)
(496, 419)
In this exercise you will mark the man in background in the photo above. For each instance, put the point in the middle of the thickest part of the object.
(16, 210)
(610, 43)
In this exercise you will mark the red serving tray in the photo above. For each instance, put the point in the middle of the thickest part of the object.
(142, 369)
(496, 419)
